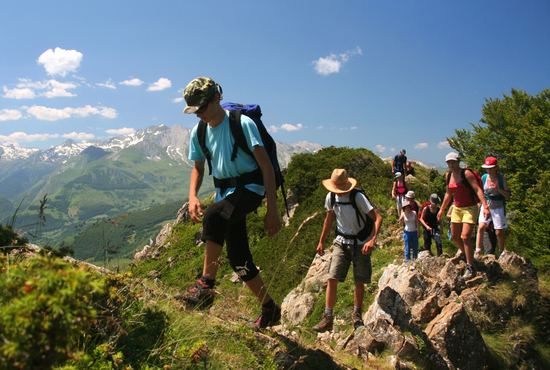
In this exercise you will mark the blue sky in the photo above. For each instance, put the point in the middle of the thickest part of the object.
(383, 75)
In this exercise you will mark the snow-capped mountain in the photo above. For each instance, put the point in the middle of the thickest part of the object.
(173, 140)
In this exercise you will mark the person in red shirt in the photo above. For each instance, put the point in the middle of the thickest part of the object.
(465, 209)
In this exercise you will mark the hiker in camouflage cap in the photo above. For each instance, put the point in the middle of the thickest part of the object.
(224, 221)
(198, 92)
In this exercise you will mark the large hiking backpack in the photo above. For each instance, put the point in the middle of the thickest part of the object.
(473, 194)
(254, 112)
(368, 222)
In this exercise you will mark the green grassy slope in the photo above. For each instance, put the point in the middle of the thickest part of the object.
(87, 190)
(121, 234)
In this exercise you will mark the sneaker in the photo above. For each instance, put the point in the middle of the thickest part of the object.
(327, 321)
(268, 317)
(357, 320)
(199, 295)
(469, 272)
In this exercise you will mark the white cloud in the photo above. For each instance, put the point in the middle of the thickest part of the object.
(286, 127)
(53, 114)
(353, 128)
(54, 87)
(289, 127)
(48, 114)
(78, 136)
(320, 127)
(132, 82)
(18, 137)
(328, 65)
(443, 145)
(178, 100)
(109, 84)
(421, 146)
(161, 84)
(59, 90)
(380, 148)
(121, 131)
(60, 61)
(108, 112)
(10, 115)
(333, 63)
(24, 93)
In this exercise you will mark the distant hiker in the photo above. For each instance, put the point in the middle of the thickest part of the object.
(497, 192)
(399, 191)
(225, 220)
(398, 163)
(465, 209)
(411, 233)
(350, 246)
(432, 226)
(415, 204)
(409, 169)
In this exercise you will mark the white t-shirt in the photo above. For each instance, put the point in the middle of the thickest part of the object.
(346, 218)
(410, 222)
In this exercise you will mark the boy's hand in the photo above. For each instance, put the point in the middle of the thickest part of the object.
(272, 223)
(195, 209)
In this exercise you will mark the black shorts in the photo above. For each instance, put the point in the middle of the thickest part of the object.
(219, 229)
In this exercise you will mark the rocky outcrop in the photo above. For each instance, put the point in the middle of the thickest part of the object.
(155, 248)
(423, 308)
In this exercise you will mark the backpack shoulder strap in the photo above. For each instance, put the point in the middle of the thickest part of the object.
(332, 199)
(238, 134)
(201, 136)
(501, 181)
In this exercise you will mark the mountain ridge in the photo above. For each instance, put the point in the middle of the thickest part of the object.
(98, 179)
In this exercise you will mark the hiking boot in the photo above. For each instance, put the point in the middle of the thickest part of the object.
(199, 295)
(268, 317)
(357, 320)
(327, 321)
(469, 272)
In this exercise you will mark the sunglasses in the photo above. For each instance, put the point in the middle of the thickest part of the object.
(203, 107)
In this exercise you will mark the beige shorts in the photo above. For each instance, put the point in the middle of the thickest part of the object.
(464, 215)
(343, 255)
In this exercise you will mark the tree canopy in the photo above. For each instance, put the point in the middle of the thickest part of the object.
(516, 130)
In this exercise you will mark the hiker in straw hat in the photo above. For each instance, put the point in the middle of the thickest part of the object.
(355, 236)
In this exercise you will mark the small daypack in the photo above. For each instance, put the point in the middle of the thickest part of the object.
(365, 232)
(424, 205)
(254, 112)
(473, 194)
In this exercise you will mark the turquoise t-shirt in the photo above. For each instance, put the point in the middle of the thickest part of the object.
(220, 141)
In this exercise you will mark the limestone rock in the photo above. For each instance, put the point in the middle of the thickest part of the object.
(455, 336)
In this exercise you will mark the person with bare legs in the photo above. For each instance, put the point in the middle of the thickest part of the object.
(241, 186)
(497, 192)
(465, 209)
(357, 225)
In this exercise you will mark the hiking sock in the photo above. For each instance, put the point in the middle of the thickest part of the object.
(208, 282)
(329, 311)
(269, 305)
(359, 310)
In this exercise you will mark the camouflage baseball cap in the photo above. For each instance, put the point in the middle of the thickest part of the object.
(198, 92)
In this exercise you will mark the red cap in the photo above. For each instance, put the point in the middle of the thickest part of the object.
(490, 162)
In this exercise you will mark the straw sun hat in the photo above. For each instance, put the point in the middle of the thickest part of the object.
(340, 182)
